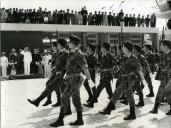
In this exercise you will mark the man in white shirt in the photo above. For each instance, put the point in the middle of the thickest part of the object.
(27, 60)
(4, 64)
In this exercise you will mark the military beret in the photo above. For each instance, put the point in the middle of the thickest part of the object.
(138, 47)
(13, 49)
(106, 45)
(62, 42)
(167, 43)
(75, 39)
(54, 43)
(91, 46)
(148, 46)
(128, 45)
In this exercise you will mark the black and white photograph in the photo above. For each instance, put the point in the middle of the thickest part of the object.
(85, 63)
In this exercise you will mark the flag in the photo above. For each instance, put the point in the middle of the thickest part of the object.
(157, 3)
(121, 3)
(132, 9)
(111, 7)
(103, 7)
(163, 35)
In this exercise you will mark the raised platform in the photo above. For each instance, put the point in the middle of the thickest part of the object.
(74, 28)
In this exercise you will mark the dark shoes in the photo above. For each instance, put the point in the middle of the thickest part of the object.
(155, 109)
(56, 105)
(34, 102)
(151, 94)
(108, 109)
(47, 103)
(57, 123)
(140, 104)
(169, 112)
(77, 122)
(132, 115)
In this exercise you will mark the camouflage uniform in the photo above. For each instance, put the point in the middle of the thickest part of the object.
(107, 63)
(129, 67)
(146, 71)
(151, 60)
(56, 82)
(92, 63)
(165, 65)
(76, 63)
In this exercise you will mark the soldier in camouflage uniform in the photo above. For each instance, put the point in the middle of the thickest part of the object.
(147, 75)
(92, 65)
(107, 62)
(76, 64)
(150, 57)
(165, 77)
(52, 77)
(129, 67)
(56, 82)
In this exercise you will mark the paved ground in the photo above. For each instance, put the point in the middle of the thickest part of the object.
(16, 112)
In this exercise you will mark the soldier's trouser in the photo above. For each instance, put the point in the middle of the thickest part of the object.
(167, 92)
(123, 89)
(105, 83)
(137, 87)
(160, 92)
(72, 90)
(149, 82)
(51, 86)
(87, 87)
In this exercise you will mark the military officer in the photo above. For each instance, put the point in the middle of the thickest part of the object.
(165, 76)
(107, 62)
(129, 67)
(56, 82)
(76, 64)
(92, 66)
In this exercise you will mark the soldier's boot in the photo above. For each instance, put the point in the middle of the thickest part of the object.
(122, 97)
(151, 94)
(95, 94)
(91, 101)
(79, 120)
(155, 109)
(169, 112)
(124, 101)
(69, 112)
(140, 103)
(37, 101)
(48, 101)
(58, 103)
(132, 115)
(59, 121)
(108, 109)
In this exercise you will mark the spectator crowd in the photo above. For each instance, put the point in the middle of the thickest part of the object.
(72, 17)
(25, 62)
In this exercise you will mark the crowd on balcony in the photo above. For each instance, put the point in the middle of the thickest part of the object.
(72, 17)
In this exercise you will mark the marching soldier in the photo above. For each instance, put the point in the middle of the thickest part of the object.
(56, 82)
(165, 76)
(147, 75)
(76, 64)
(150, 56)
(107, 62)
(92, 64)
(129, 67)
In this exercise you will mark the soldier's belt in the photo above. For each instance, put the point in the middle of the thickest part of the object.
(164, 70)
(128, 74)
(59, 72)
(72, 75)
(106, 70)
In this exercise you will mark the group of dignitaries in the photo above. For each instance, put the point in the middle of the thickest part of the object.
(133, 74)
